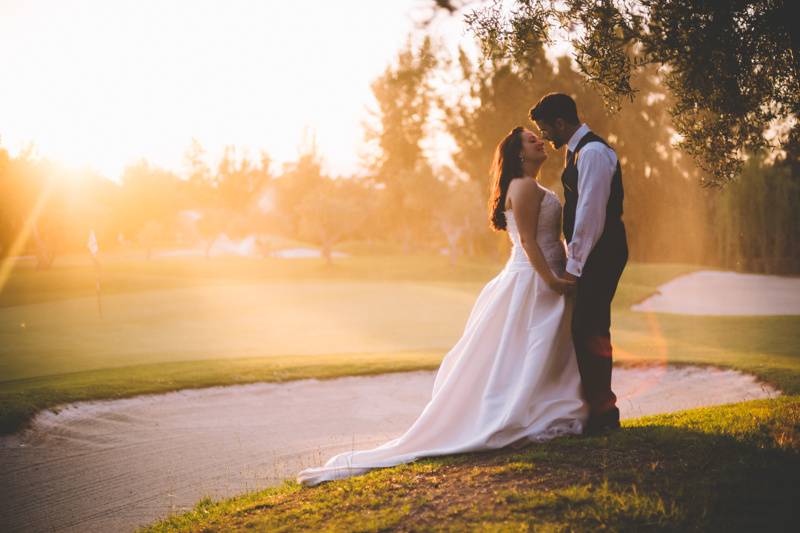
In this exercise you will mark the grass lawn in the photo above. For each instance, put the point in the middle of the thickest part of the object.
(183, 323)
(235, 321)
(74, 276)
(190, 322)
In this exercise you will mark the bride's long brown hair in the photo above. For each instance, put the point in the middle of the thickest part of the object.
(506, 165)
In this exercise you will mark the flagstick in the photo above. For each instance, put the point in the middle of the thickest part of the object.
(93, 249)
(97, 285)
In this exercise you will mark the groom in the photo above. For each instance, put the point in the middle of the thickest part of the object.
(597, 246)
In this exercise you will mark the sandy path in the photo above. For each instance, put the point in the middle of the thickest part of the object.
(115, 465)
(726, 293)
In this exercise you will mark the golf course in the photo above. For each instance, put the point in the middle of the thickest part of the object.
(184, 323)
(421, 265)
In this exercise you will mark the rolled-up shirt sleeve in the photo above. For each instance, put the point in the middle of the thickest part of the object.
(596, 165)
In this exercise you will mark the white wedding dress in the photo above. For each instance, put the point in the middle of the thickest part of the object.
(511, 379)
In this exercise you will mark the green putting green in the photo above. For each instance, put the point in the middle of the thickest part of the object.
(230, 321)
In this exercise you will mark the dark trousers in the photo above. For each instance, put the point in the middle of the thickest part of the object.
(591, 324)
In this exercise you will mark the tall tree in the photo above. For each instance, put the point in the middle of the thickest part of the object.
(148, 203)
(496, 99)
(755, 220)
(404, 95)
(46, 208)
(658, 194)
(9, 222)
(296, 181)
(200, 182)
(460, 215)
(239, 181)
(731, 67)
(34, 208)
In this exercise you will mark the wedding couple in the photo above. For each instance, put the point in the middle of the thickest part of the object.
(534, 361)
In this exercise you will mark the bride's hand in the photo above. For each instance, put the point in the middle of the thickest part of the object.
(561, 285)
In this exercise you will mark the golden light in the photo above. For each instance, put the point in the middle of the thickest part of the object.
(104, 83)
(7, 265)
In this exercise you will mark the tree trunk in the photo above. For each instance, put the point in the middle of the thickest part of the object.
(210, 244)
(327, 253)
(44, 256)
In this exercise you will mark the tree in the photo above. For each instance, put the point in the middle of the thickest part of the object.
(239, 181)
(497, 98)
(200, 183)
(227, 198)
(332, 211)
(149, 202)
(755, 220)
(731, 67)
(298, 178)
(12, 196)
(405, 96)
(7, 218)
(668, 214)
(46, 208)
(659, 195)
(460, 214)
(33, 206)
(199, 192)
(212, 222)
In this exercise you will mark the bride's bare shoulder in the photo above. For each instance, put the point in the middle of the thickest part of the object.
(523, 191)
(528, 187)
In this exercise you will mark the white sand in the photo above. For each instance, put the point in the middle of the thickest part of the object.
(116, 465)
(726, 293)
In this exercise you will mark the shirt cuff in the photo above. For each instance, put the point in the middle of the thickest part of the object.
(574, 267)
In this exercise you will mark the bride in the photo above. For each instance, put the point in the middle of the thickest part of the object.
(512, 377)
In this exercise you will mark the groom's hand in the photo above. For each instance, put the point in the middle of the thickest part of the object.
(573, 282)
(562, 285)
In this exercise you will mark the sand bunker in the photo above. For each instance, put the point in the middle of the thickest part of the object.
(116, 465)
(726, 293)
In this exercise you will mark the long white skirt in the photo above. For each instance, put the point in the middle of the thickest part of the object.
(512, 378)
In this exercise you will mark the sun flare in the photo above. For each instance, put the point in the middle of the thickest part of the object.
(124, 80)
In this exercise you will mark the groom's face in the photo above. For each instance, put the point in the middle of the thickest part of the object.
(551, 132)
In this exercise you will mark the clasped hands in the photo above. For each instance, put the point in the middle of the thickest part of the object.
(566, 284)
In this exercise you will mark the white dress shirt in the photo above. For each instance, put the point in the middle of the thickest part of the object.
(596, 166)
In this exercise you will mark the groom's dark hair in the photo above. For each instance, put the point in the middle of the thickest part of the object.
(553, 106)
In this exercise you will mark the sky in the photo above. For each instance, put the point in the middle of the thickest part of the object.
(104, 83)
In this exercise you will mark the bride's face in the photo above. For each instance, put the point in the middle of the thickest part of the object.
(552, 132)
(532, 147)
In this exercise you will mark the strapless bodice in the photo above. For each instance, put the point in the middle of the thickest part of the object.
(548, 236)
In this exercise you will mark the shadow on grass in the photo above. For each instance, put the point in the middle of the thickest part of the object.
(663, 478)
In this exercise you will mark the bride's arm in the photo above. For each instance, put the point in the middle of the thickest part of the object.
(526, 199)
